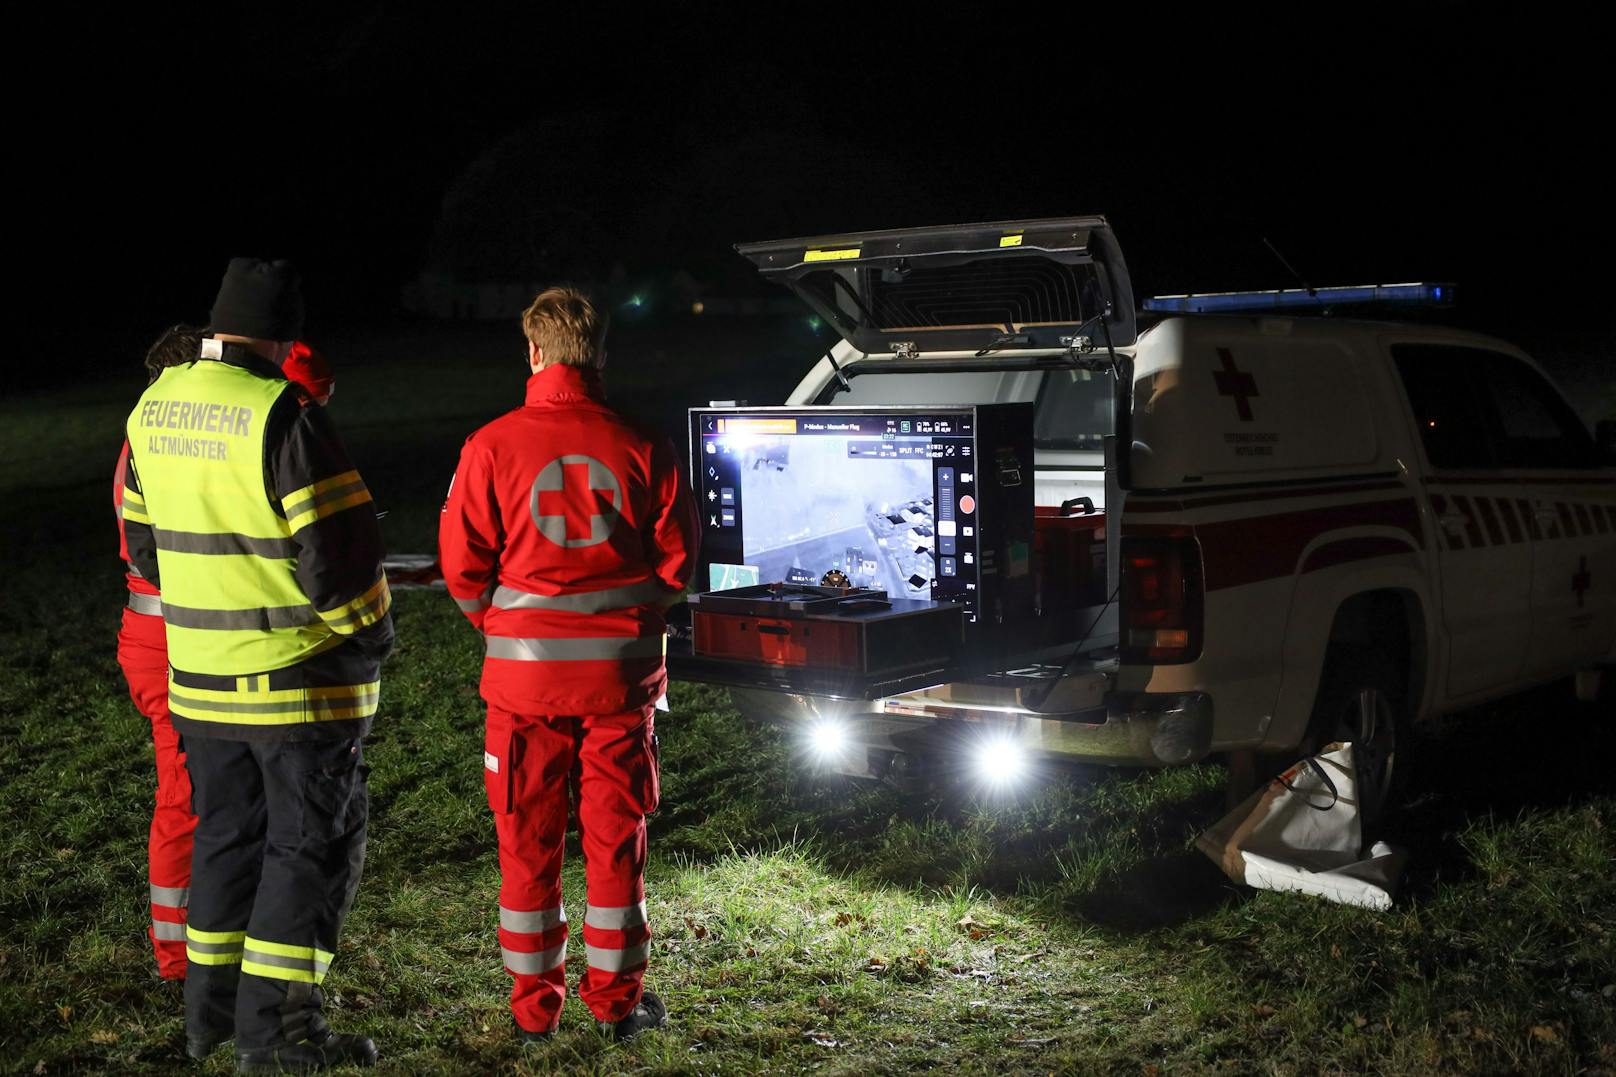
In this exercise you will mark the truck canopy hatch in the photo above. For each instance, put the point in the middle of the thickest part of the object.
(1007, 284)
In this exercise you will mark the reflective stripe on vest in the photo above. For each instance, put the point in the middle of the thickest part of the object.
(587, 649)
(148, 605)
(610, 598)
(265, 706)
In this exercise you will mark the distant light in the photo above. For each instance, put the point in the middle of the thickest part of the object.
(1001, 761)
(814, 323)
(828, 739)
(636, 301)
(697, 307)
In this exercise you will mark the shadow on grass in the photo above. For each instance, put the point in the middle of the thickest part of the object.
(1538, 750)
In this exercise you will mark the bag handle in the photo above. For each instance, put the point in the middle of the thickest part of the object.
(1324, 776)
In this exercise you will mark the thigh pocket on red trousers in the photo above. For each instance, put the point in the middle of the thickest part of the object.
(499, 764)
(645, 782)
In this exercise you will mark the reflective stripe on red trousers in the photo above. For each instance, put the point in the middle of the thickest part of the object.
(536, 767)
(143, 654)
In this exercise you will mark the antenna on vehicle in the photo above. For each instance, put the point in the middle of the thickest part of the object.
(1312, 292)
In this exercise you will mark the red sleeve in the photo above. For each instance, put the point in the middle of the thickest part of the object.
(470, 535)
(117, 498)
(673, 538)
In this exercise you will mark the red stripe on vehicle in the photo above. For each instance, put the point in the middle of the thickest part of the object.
(1484, 506)
(1146, 504)
(1350, 550)
(1237, 552)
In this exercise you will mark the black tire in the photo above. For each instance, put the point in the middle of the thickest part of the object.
(1362, 699)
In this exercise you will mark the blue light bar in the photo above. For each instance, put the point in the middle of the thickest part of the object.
(1420, 295)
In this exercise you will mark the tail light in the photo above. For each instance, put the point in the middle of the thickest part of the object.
(1161, 599)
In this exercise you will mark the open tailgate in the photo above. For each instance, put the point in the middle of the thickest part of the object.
(961, 287)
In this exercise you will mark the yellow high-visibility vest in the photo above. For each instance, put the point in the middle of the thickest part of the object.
(226, 558)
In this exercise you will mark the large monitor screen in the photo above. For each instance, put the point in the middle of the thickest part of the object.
(881, 498)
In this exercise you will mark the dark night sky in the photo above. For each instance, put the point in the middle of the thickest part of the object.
(1436, 143)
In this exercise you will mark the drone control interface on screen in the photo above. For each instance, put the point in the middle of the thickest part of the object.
(885, 500)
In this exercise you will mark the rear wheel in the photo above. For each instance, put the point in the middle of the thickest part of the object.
(1362, 701)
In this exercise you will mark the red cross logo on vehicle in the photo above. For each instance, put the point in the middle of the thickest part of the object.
(1581, 581)
(1232, 381)
(576, 501)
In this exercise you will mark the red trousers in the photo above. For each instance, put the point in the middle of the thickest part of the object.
(143, 654)
(533, 766)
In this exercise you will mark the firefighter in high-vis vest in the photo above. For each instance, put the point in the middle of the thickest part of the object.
(567, 530)
(242, 506)
(143, 657)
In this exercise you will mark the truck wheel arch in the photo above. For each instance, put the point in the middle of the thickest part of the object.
(1388, 613)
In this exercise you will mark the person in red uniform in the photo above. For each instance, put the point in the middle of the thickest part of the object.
(143, 656)
(567, 530)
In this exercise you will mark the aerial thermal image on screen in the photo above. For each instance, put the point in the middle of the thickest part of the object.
(810, 509)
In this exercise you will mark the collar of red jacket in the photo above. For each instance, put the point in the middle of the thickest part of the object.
(562, 384)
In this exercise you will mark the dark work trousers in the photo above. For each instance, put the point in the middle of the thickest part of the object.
(280, 841)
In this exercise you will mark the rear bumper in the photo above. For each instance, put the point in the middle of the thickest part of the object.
(1126, 729)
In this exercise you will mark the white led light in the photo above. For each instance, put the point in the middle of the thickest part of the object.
(1000, 760)
(827, 739)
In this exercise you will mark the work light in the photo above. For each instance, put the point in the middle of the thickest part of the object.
(1001, 761)
(827, 739)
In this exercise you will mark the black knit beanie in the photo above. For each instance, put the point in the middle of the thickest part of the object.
(259, 299)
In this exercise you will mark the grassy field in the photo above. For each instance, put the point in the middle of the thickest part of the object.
(801, 923)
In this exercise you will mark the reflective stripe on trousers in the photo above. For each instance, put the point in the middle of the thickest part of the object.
(533, 964)
(535, 922)
(608, 960)
(283, 961)
(618, 918)
(174, 898)
(576, 649)
(213, 947)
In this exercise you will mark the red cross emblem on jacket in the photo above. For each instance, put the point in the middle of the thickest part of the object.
(576, 501)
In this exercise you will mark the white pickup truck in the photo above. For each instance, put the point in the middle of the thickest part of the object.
(1260, 530)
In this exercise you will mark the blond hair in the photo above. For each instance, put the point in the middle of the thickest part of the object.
(565, 325)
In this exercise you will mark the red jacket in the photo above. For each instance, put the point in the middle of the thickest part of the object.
(567, 530)
(138, 584)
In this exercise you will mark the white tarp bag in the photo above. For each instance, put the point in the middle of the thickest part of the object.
(1302, 832)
